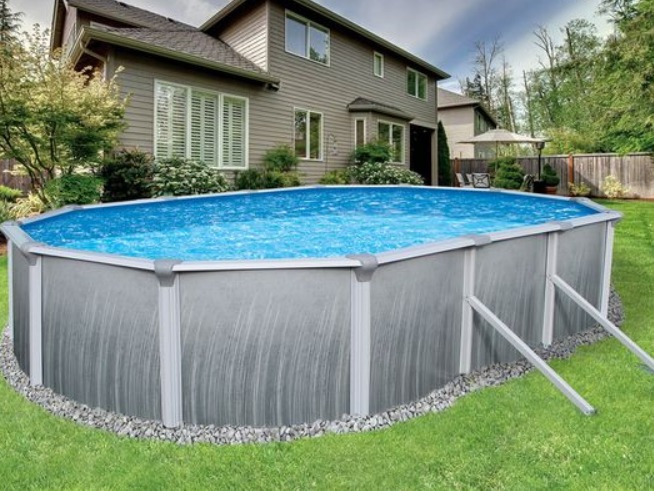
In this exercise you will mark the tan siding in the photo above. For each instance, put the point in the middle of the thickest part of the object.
(249, 35)
(69, 33)
(459, 124)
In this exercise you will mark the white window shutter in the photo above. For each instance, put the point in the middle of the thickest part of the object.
(234, 133)
(170, 131)
(204, 127)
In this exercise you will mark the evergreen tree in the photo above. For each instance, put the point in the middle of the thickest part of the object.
(444, 168)
(9, 24)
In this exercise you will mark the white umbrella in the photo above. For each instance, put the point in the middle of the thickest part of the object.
(503, 136)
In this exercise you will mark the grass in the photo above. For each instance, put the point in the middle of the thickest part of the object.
(523, 435)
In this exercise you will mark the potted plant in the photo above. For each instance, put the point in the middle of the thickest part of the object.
(581, 189)
(550, 178)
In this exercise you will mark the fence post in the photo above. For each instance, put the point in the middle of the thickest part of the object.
(571, 168)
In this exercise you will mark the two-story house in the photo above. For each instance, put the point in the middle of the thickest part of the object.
(464, 118)
(258, 74)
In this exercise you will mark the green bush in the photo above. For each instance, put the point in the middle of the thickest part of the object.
(28, 206)
(444, 166)
(249, 179)
(265, 179)
(280, 159)
(549, 176)
(73, 189)
(494, 165)
(373, 152)
(509, 174)
(381, 173)
(127, 176)
(9, 194)
(338, 176)
(181, 177)
(6, 212)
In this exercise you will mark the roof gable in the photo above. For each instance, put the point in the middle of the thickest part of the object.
(122, 12)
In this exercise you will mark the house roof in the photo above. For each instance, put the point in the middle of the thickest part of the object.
(448, 100)
(232, 6)
(361, 104)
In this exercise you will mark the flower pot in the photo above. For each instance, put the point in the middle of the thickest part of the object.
(550, 189)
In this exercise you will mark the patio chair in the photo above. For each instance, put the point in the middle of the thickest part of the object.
(461, 181)
(481, 180)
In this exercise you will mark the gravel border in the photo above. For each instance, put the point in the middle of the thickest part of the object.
(434, 402)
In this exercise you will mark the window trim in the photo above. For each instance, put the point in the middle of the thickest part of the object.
(390, 134)
(365, 131)
(376, 54)
(321, 157)
(219, 120)
(309, 23)
(418, 75)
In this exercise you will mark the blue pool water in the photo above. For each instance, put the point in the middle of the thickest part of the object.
(312, 222)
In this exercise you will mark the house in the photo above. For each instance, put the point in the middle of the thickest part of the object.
(258, 74)
(464, 118)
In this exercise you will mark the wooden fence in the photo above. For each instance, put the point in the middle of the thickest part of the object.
(9, 178)
(635, 171)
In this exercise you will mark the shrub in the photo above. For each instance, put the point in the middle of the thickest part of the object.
(9, 194)
(180, 177)
(494, 165)
(73, 189)
(549, 176)
(28, 206)
(280, 159)
(6, 213)
(127, 176)
(444, 166)
(373, 152)
(381, 173)
(338, 176)
(613, 189)
(249, 179)
(509, 175)
(265, 179)
(581, 189)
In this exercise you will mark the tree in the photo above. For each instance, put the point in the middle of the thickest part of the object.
(444, 168)
(54, 119)
(9, 24)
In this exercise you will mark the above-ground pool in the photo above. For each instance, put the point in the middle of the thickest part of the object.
(289, 306)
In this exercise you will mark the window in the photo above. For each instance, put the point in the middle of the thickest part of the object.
(201, 125)
(416, 84)
(359, 132)
(306, 39)
(378, 64)
(394, 135)
(308, 134)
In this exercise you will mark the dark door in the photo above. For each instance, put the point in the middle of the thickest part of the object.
(421, 152)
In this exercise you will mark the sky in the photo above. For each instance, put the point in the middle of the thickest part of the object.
(442, 32)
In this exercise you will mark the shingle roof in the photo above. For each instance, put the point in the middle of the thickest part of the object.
(361, 104)
(452, 99)
(129, 14)
(194, 43)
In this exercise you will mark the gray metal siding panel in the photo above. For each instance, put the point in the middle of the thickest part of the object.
(510, 280)
(20, 285)
(265, 347)
(249, 35)
(416, 328)
(101, 336)
(581, 254)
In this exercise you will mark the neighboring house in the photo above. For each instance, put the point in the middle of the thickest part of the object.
(463, 118)
(257, 74)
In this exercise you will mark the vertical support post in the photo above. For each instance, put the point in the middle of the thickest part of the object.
(605, 294)
(550, 290)
(457, 168)
(467, 315)
(360, 334)
(35, 305)
(10, 281)
(571, 168)
(170, 344)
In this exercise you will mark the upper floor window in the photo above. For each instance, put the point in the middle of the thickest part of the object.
(378, 64)
(307, 39)
(416, 84)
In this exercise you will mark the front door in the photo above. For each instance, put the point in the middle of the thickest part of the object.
(421, 152)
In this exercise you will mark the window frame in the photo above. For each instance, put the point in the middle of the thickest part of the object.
(418, 75)
(219, 121)
(390, 136)
(375, 55)
(308, 24)
(365, 131)
(309, 112)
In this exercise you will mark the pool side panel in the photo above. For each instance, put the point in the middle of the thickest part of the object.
(100, 336)
(265, 348)
(20, 297)
(415, 333)
(581, 257)
(510, 281)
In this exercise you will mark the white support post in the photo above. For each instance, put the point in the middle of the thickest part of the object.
(35, 278)
(170, 344)
(467, 315)
(603, 321)
(10, 281)
(550, 291)
(528, 353)
(606, 268)
(360, 334)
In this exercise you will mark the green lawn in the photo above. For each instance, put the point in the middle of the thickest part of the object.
(523, 435)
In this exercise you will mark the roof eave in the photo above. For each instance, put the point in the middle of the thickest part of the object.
(89, 33)
(334, 17)
(106, 15)
(365, 108)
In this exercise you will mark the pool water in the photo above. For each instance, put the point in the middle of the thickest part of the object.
(303, 223)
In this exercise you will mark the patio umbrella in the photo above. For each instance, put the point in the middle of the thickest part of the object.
(502, 136)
